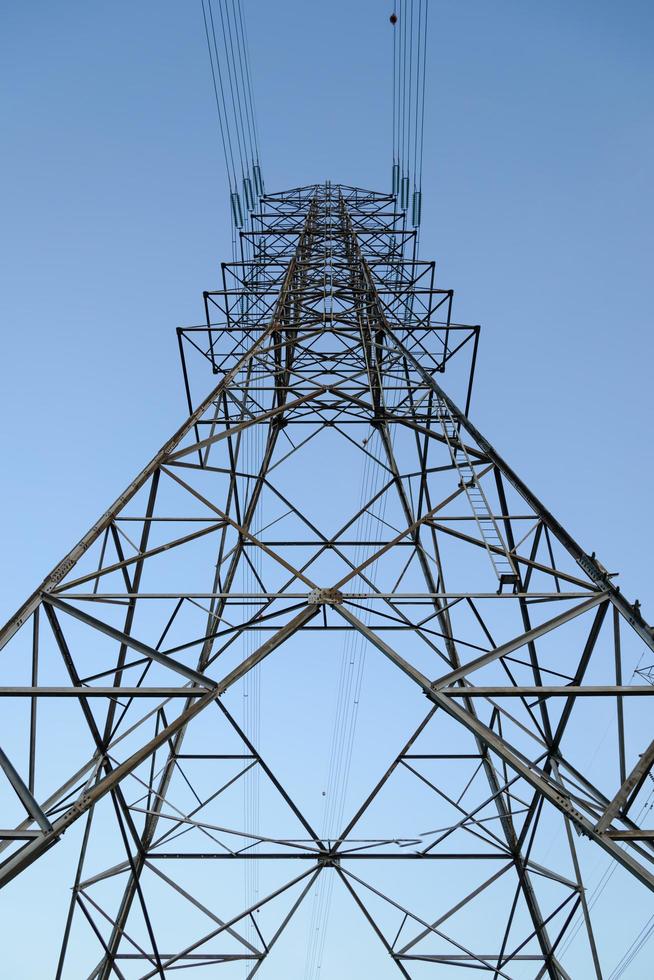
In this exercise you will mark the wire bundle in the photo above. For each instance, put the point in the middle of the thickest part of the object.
(232, 85)
(409, 20)
(639, 942)
(348, 695)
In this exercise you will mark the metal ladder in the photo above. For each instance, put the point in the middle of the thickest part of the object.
(502, 561)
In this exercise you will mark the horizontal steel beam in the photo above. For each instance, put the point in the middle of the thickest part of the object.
(497, 690)
(549, 691)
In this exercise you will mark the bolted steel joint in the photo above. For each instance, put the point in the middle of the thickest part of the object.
(325, 597)
(327, 860)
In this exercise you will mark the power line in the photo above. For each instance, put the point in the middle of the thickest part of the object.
(409, 23)
(233, 82)
(222, 120)
(636, 947)
(231, 76)
(348, 697)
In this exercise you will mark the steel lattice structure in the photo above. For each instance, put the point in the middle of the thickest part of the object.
(494, 645)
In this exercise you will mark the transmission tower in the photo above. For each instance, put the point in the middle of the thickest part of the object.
(327, 526)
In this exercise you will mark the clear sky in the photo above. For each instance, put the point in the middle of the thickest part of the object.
(538, 209)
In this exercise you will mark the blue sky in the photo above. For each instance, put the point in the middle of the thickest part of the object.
(537, 207)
